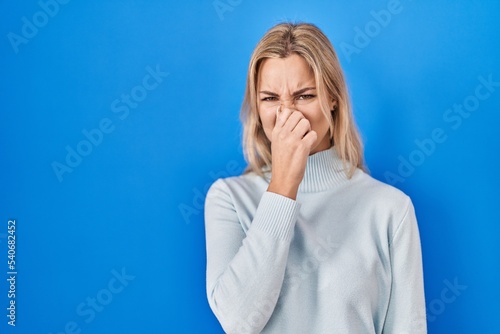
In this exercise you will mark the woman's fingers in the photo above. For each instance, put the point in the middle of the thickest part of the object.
(310, 138)
(292, 122)
(282, 116)
(302, 128)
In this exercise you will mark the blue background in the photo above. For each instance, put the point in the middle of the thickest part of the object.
(134, 202)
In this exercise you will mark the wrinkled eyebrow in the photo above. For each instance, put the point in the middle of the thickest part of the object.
(300, 91)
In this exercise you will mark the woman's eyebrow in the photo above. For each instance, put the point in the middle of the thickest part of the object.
(300, 91)
(303, 90)
(268, 93)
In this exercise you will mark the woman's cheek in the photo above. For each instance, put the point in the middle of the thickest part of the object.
(267, 123)
(269, 118)
(314, 114)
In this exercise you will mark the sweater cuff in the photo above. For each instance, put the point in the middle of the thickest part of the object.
(276, 215)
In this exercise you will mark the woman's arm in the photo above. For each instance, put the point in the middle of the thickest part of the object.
(245, 271)
(406, 312)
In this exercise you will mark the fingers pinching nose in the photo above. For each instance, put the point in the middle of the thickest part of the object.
(278, 110)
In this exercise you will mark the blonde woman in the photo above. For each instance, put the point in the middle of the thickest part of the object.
(305, 241)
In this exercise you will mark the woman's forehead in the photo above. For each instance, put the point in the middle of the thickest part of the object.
(292, 72)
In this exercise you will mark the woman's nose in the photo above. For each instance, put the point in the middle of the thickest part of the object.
(286, 103)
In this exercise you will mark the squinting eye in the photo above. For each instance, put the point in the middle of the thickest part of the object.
(270, 98)
(306, 97)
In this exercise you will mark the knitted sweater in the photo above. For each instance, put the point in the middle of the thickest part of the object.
(344, 257)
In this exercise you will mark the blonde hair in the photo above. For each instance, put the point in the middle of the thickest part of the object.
(310, 43)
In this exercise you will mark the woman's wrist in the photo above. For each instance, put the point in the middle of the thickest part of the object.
(283, 188)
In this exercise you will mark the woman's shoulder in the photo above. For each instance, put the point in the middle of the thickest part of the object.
(374, 190)
(246, 183)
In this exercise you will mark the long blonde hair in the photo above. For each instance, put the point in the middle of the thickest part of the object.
(309, 42)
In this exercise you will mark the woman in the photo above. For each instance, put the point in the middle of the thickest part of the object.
(305, 241)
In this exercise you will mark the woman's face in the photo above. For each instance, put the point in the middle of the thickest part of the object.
(289, 82)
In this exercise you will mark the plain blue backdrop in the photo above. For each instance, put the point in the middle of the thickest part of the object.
(117, 115)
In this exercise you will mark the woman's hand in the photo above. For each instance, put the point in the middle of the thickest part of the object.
(291, 144)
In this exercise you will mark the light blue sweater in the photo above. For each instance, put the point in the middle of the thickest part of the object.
(343, 258)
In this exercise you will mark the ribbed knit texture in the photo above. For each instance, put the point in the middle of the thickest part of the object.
(343, 258)
(324, 171)
(275, 209)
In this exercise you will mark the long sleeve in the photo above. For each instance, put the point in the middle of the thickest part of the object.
(245, 270)
(406, 311)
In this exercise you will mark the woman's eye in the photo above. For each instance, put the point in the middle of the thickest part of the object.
(270, 98)
(306, 97)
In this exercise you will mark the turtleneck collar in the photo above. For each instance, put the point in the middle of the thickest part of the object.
(324, 170)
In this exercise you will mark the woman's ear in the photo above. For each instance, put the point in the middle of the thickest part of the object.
(333, 105)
